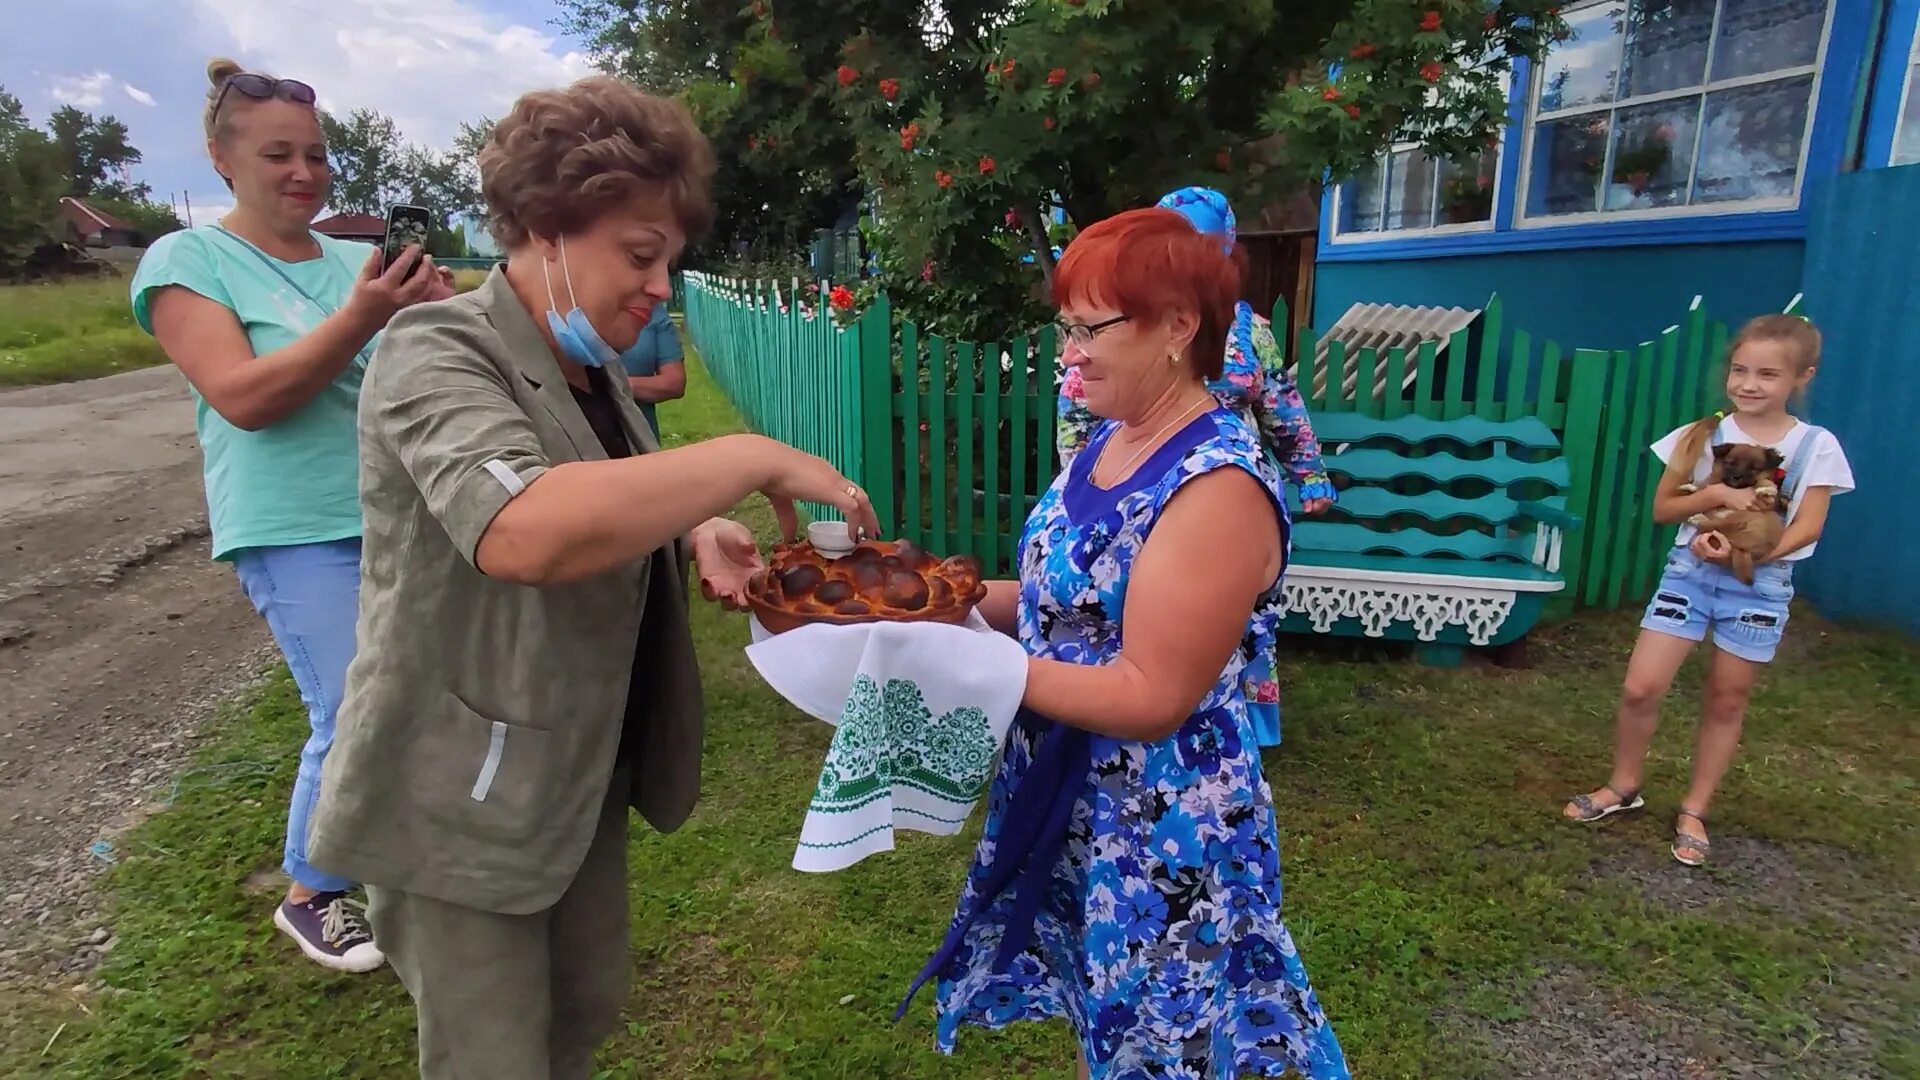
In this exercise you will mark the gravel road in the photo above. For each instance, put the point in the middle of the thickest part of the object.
(118, 636)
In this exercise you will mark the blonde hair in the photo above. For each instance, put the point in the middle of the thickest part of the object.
(561, 158)
(219, 70)
(1800, 336)
(1802, 341)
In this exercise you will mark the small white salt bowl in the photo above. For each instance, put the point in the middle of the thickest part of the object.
(830, 538)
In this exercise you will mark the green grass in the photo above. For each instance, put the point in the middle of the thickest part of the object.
(60, 332)
(1428, 883)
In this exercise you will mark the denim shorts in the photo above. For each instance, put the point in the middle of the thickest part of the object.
(1695, 596)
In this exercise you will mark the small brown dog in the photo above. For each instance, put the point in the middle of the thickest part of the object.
(1753, 534)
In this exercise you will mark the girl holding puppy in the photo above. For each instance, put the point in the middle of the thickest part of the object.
(1772, 359)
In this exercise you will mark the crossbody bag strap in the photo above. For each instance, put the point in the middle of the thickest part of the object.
(268, 262)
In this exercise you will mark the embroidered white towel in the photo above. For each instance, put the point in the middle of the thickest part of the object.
(921, 711)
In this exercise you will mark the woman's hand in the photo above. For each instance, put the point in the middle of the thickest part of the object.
(1711, 547)
(797, 476)
(378, 294)
(442, 288)
(1735, 498)
(1311, 507)
(727, 559)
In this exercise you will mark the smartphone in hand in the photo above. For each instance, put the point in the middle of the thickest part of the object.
(407, 226)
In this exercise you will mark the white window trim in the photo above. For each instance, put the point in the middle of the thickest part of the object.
(1906, 93)
(1534, 115)
(1378, 236)
(1501, 154)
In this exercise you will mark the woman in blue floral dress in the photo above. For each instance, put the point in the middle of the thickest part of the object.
(1253, 382)
(1129, 876)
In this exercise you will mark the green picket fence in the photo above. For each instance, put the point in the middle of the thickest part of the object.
(954, 440)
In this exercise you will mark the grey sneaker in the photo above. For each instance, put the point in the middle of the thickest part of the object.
(332, 931)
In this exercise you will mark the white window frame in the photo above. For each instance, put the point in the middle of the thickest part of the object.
(1501, 155)
(1534, 115)
(1906, 94)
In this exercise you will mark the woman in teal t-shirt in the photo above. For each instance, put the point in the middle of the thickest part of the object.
(272, 325)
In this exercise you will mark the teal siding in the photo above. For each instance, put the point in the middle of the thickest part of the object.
(1596, 298)
(1863, 291)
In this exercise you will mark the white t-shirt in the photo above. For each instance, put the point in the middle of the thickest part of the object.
(1826, 466)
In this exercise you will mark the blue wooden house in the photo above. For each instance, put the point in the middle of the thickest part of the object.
(1741, 150)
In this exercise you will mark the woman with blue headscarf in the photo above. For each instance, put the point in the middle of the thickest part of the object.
(1253, 382)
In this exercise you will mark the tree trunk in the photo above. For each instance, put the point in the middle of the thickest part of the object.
(1036, 226)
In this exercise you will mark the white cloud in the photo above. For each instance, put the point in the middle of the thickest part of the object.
(81, 91)
(138, 94)
(429, 64)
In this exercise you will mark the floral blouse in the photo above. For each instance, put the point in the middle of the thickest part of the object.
(1253, 383)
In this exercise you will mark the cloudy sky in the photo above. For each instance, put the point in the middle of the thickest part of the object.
(429, 64)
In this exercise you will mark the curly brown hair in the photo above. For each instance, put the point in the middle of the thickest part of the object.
(561, 158)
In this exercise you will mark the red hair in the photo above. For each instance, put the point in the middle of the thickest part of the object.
(1148, 265)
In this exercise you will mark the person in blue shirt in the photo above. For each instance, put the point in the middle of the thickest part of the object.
(655, 365)
(272, 325)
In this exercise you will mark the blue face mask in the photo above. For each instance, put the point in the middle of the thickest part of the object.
(573, 333)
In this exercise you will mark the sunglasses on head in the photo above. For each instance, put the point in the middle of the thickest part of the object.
(262, 88)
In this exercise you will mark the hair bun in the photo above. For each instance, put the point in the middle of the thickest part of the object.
(220, 69)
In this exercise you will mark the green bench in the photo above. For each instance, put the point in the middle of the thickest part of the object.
(1448, 532)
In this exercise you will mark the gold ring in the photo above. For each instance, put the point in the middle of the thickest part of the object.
(853, 491)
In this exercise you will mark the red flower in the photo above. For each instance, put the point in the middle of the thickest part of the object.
(943, 178)
(1049, 123)
(1363, 50)
(1013, 219)
(926, 274)
(1090, 80)
(1006, 69)
(1553, 13)
(841, 298)
(1057, 76)
(1331, 93)
(1490, 21)
(1493, 142)
(1224, 160)
(772, 141)
(847, 75)
(889, 88)
(986, 166)
(753, 142)
(1353, 111)
(1430, 21)
(908, 134)
(1432, 70)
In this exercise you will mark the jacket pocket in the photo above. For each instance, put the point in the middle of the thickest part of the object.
(491, 778)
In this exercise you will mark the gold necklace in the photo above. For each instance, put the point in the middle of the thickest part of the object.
(1148, 444)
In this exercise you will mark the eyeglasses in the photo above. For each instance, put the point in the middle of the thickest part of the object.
(1082, 334)
(261, 88)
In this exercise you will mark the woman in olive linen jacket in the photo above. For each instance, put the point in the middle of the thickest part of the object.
(525, 671)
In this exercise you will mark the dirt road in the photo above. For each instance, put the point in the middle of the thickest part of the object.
(117, 637)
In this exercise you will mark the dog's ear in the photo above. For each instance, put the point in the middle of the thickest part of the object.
(1775, 458)
(1720, 452)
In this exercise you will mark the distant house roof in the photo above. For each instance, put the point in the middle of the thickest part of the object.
(88, 221)
(352, 226)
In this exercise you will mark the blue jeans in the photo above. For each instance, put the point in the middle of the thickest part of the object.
(1747, 621)
(309, 594)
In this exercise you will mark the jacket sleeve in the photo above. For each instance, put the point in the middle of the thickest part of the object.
(446, 412)
(1283, 414)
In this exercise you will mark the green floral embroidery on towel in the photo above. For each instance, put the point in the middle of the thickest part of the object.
(889, 736)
